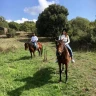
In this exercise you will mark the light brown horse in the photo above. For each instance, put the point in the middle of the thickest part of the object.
(63, 57)
(32, 48)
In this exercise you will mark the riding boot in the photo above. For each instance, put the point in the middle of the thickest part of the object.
(72, 60)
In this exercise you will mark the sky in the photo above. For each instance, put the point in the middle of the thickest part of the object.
(29, 10)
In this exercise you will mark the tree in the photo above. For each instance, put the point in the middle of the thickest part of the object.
(52, 21)
(79, 31)
(2, 18)
(3, 25)
(28, 26)
(79, 28)
(14, 25)
(3, 22)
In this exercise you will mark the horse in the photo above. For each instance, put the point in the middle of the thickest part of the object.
(32, 48)
(63, 58)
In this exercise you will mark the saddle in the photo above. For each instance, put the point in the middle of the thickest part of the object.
(34, 44)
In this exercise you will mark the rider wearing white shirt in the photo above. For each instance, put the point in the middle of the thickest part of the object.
(34, 39)
(66, 40)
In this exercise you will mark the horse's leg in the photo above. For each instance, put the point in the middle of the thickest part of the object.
(39, 51)
(66, 65)
(31, 54)
(62, 67)
(60, 71)
(34, 53)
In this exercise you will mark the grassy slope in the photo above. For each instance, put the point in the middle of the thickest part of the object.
(21, 76)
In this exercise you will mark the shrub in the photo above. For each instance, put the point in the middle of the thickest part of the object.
(11, 33)
(1, 32)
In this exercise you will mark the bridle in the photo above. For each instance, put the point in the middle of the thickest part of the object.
(60, 47)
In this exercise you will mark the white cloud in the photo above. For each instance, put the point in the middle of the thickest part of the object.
(9, 20)
(34, 20)
(35, 10)
(22, 20)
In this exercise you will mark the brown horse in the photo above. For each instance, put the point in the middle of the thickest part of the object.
(63, 57)
(32, 48)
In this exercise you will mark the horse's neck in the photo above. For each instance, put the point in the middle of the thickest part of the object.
(65, 52)
(29, 46)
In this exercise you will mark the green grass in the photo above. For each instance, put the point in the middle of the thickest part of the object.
(22, 76)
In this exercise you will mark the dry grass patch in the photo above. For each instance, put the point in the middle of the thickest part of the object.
(9, 44)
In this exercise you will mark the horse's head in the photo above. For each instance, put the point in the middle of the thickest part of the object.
(26, 46)
(60, 47)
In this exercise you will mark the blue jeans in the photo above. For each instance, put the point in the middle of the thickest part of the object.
(34, 44)
(70, 50)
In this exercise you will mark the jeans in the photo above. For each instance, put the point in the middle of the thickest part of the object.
(34, 44)
(70, 50)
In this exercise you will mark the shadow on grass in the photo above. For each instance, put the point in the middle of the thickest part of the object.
(21, 58)
(24, 58)
(39, 79)
(94, 69)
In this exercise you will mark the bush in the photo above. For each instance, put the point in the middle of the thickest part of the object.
(11, 33)
(1, 32)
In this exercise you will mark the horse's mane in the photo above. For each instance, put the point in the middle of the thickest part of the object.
(66, 52)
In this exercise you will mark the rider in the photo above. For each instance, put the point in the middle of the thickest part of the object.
(34, 40)
(66, 40)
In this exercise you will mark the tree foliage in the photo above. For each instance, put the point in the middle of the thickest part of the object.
(78, 28)
(28, 26)
(82, 32)
(52, 20)
(14, 25)
(3, 22)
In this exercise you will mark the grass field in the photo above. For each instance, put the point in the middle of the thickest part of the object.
(22, 76)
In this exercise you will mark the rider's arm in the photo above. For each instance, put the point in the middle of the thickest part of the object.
(36, 38)
(68, 40)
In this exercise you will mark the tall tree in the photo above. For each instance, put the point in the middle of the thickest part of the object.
(52, 21)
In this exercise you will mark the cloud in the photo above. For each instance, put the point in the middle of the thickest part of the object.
(9, 20)
(35, 10)
(22, 20)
